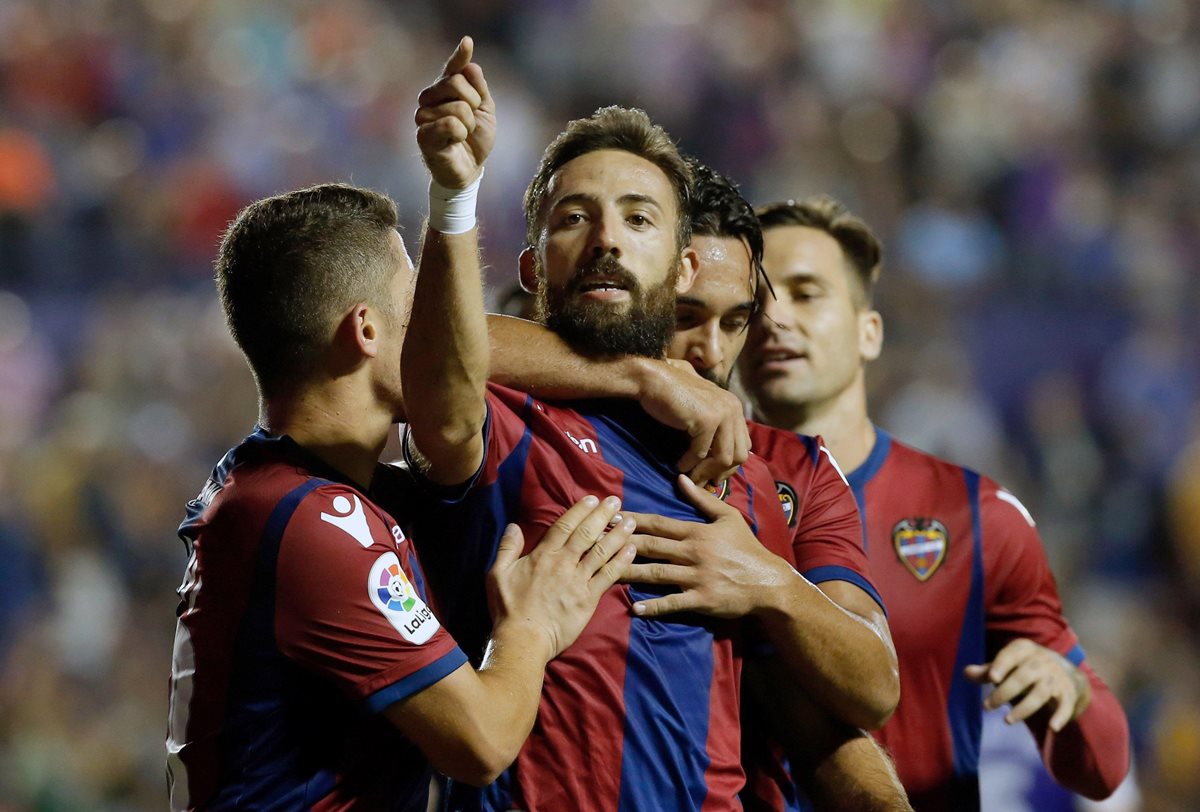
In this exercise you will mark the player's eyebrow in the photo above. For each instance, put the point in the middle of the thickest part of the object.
(587, 197)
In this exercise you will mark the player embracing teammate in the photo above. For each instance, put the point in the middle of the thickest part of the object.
(319, 664)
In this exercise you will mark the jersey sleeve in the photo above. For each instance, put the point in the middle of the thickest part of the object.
(505, 426)
(1091, 755)
(350, 602)
(827, 541)
(1022, 596)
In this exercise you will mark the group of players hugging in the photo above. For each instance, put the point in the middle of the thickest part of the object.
(592, 584)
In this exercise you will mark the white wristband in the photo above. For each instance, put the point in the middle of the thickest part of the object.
(452, 211)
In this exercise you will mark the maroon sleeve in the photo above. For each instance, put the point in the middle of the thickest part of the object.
(827, 538)
(350, 602)
(1091, 755)
(508, 412)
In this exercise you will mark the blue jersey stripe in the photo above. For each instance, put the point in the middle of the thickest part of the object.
(966, 698)
(860, 476)
(417, 681)
(669, 664)
(833, 572)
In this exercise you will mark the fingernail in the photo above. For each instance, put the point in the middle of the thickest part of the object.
(612, 501)
(591, 501)
(630, 524)
(616, 519)
(639, 608)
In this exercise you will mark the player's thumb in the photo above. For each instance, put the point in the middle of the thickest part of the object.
(460, 58)
(977, 673)
(509, 550)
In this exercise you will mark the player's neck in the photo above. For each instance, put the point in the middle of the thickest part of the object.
(327, 422)
(842, 422)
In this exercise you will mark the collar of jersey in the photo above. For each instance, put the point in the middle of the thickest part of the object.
(862, 474)
(284, 446)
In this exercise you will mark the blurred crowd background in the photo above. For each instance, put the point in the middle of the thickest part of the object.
(1032, 166)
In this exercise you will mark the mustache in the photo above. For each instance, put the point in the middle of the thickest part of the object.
(608, 267)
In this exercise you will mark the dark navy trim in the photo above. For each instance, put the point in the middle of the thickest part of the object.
(863, 474)
(834, 572)
(749, 501)
(449, 494)
(417, 681)
(1076, 655)
(965, 717)
(860, 476)
(268, 551)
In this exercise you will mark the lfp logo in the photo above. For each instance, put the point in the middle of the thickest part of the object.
(395, 590)
(394, 596)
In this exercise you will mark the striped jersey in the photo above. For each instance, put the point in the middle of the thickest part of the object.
(959, 561)
(302, 615)
(638, 713)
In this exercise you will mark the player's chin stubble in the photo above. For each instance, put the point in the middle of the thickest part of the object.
(643, 327)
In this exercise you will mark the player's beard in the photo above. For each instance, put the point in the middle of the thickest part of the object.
(643, 327)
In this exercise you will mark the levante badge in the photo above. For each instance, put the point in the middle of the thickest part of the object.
(921, 545)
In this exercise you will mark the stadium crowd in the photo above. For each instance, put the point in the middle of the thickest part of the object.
(1034, 168)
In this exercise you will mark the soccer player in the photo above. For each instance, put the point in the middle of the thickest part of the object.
(641, 712)
(958, 560)
(309, 669)
(711, 321)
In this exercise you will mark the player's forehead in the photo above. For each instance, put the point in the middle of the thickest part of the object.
(802, 251)
(724, 278)
(608, 175)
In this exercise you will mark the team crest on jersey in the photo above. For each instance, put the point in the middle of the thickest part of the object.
(719, 490)
(395, 596)
(921, 545)
(787, 500)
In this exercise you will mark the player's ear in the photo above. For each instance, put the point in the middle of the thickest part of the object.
(870, 334)
(359, 329)
(527, 271)
(689, 265)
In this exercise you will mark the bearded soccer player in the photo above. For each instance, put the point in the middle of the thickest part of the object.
(310, 671)
(643, 712)
(971, 599)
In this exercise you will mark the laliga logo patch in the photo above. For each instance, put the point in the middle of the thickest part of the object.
(787, 500)
(394, 595)
(921, 545)
(720, 491)
(350, 518)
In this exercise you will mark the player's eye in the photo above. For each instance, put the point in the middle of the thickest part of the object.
(686, 319)
(638, 220)
(735, 324)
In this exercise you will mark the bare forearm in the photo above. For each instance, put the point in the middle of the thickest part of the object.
(839, 658)
(445, 359)
(532, 358)
(839, 766)
(1090, 755)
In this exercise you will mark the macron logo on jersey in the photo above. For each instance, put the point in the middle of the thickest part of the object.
(585, 445)
(394, 595)
(350, 518)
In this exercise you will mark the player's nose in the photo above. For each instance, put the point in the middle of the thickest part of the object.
(602, 239)
(704, 350)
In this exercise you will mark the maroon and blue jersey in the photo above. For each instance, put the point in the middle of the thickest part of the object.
(638, 713)
(827, 546)
(959, 562)
(303, 615)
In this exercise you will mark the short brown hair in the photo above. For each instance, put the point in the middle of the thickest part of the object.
(860, 245)
(290, 265)
(622, 128)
